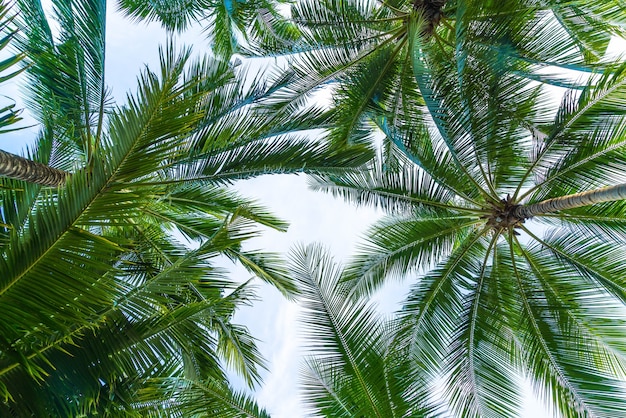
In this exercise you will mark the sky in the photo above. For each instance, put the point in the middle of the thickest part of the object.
(313, 217)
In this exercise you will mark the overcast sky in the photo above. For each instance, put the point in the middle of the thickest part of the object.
(314, 217)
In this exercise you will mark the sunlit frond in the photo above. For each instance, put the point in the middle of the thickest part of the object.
(351, 370)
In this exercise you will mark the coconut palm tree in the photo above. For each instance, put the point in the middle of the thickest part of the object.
(508, 214)
(106, 309)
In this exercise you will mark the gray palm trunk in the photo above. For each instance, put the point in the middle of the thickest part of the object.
(606, 194)
(19, 168)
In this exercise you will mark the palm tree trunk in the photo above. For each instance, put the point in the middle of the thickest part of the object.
(19, 168)
(606, 194)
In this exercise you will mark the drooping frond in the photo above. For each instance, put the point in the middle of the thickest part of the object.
(583, 147)
(195, 398)
(232, 26)
(406, 245)
(66, 71)
(434, 306)
(352, 370)
(394, 190)
(572, 358)
(481, 367)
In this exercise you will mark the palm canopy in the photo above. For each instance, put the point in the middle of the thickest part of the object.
(497, 299)
(364, 48)
(105, 309)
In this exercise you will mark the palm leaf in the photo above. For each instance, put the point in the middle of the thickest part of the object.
(67, 72)
(352, 371)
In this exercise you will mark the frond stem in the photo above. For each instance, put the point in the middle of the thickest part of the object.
(537, 329)
(472, 331)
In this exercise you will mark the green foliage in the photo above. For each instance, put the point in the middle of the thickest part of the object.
(8, 114)
(488, 307)
(107, 311)
(230, 24)
(364, 49)
(351, 369)
(113, 303)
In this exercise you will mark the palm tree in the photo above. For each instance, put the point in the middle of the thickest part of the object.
(509, 215)
(105, 308)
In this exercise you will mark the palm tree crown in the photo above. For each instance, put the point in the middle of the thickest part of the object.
(481, 157)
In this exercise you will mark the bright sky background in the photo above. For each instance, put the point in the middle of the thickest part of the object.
(314, 217)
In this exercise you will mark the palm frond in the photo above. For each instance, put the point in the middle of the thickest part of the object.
(352, 371)
(8, 114)
(175, 15)
(434, 305)
(392, 190)
(196, 398)
(567, 367)
(587, 127)
(481, 375)
(404, 246)
(67, 71)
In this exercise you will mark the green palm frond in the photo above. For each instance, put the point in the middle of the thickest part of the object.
(401, 246)
(244, 134)
(9, 115)
(605, 220)
(582, 149)
(173, 15)
(393, 190)
(66, 70)
(564, 355)
(351, 371)
(434, 305)
(481, 364)
(365, 49)
(606, 15)
(154, 326)
(196, 398)
(233, 25)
